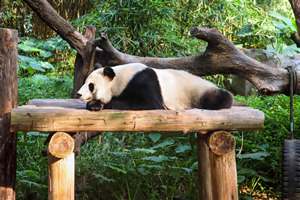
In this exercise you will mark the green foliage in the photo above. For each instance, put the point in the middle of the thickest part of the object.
(44, 87)
(31, 167)
(36, 55)
(284, 27)
(122, 170)
(145, 28)
(259, 164)
(160, 28)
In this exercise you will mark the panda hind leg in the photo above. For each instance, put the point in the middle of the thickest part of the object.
(216, 99)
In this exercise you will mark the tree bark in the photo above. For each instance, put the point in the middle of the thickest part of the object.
(8, 100)
(296, 8)
(84, 65)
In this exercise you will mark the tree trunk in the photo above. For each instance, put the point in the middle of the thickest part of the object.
(296, 8)
(8, 100)
(84, 65)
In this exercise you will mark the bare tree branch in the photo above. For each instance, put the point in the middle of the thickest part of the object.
(220, 57)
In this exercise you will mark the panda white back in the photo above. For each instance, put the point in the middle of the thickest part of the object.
(180, 89)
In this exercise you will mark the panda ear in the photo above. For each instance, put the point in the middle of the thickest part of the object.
(109, 72)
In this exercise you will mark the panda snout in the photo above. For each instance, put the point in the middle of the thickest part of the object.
(78, 95)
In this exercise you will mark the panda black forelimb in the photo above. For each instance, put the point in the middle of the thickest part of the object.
(94, 105)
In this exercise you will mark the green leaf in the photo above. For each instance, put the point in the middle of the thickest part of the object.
(36, 67)
(117, 169)
(144, 150)
(25, 58)
(279, 25)
(155, 158)
(182, 148)
(247, 171)
(240, 179)
(45, 65)
(143, 171)
(102, 177)
(151, 166)
(285, 20)
(184, 168)
(31, 183)
(155, 137)
(33, 49)
(45, 54)
(257, 155)
(164, 144)
(39, 78)
(290, 50)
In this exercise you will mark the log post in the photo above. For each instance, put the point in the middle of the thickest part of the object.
(204, 176)
(61, 167)
(223, 166)
(8, 100)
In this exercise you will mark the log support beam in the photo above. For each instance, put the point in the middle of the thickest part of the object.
(61, 167)
(217, 174)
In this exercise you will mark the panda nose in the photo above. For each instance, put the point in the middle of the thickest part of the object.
(78, 95)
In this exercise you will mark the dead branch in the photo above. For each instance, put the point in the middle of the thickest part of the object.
(220, 57)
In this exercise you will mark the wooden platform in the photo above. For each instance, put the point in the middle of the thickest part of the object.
(70, 115)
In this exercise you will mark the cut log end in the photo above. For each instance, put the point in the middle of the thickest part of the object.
(61, 145)
(221, 143)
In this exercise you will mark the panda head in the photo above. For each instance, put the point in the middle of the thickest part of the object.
(98, 86)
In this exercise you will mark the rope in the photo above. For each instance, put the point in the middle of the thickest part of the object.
(293, 88)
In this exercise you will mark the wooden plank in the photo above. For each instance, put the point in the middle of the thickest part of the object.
(68, 119)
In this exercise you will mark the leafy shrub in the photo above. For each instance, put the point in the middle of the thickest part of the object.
(259, 165)
(37, 56)
(161, 28)
(44, 87)
(32, 179)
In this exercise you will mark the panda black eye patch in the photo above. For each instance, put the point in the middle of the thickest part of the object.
(91, 87)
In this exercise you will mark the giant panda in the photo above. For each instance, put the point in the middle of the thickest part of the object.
(138, 87)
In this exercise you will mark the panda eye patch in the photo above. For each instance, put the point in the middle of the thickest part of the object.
(91, 87)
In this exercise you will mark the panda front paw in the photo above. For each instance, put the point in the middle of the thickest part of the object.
(94, 105)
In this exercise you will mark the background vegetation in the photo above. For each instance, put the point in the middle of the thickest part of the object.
(145, 165)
